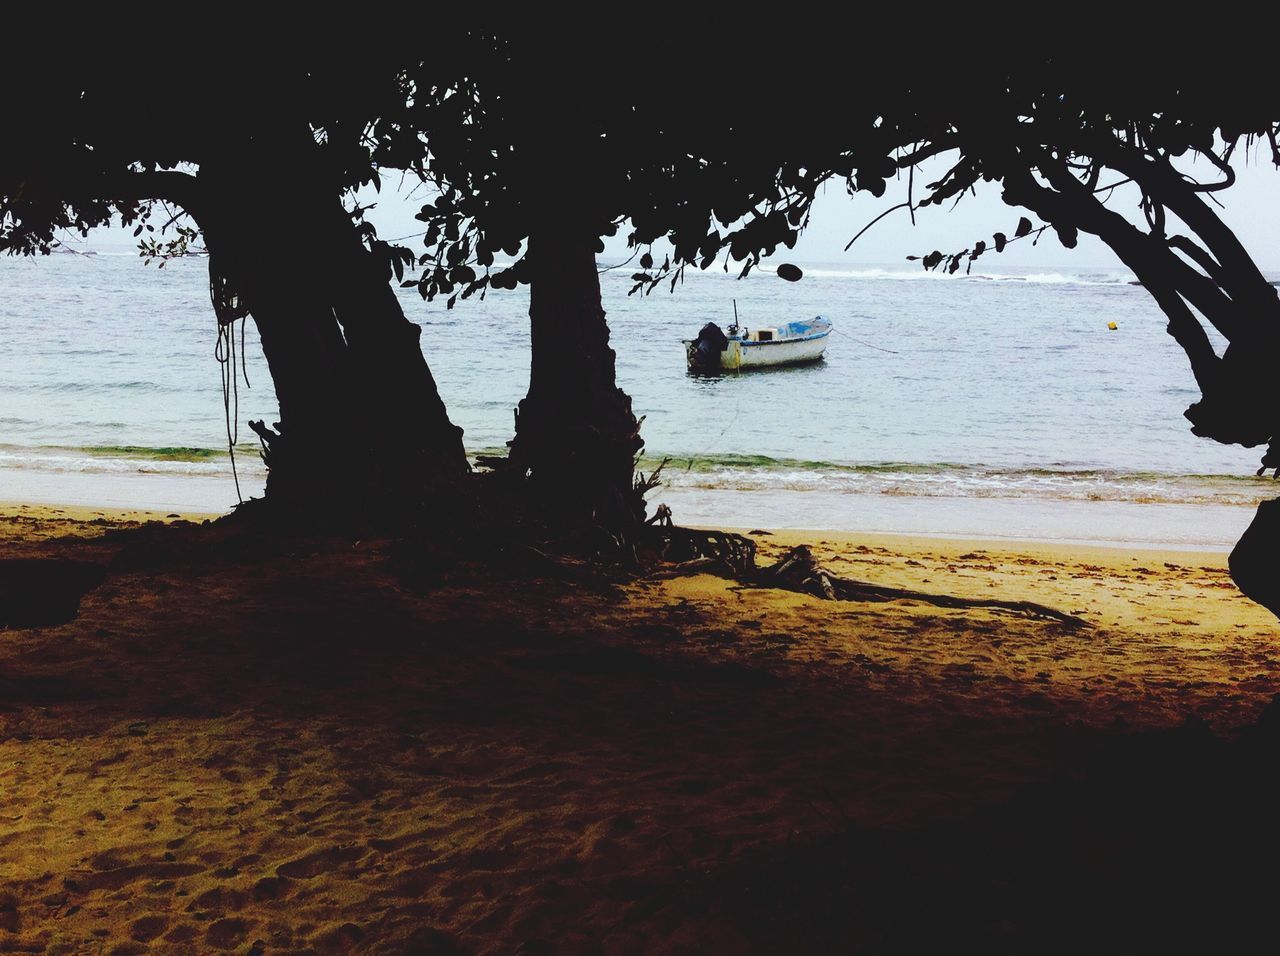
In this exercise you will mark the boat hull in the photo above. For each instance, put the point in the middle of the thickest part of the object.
(750, 355)
(739, 355)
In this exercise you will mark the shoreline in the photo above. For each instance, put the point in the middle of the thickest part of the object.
(1154, 526)
(776, 536)
(1121, 513)
(89, 513)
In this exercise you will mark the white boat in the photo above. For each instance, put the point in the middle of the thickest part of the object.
(794, 343)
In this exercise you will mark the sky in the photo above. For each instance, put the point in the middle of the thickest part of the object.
(1252, 210)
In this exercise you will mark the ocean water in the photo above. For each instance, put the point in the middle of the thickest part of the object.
(996, 405)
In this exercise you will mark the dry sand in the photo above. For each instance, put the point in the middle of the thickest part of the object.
(333, 746)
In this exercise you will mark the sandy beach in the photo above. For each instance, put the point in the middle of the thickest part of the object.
(253, 745)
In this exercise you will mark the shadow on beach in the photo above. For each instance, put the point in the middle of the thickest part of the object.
(300, 745)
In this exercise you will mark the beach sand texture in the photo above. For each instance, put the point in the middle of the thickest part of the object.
(324, 746)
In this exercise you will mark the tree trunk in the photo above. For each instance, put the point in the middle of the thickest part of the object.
(576, 437)
(362, 425)
(401, 411)
(1253, 562)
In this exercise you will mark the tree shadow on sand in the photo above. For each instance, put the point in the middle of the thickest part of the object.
(487, 758)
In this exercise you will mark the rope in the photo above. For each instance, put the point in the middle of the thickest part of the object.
(228, 308)
(867, 344)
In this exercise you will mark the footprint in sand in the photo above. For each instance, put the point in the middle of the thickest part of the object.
(323, 861)
(218, 900)
(10, 921)
(226, 933)
(270, 888)
(147, 928)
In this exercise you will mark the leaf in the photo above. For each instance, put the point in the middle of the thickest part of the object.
(789, 272)
(932, 259)
(979, 248)
(646, 261)
(1000, 241)
(1024, 227)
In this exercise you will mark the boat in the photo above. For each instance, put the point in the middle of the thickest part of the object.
(769, 346)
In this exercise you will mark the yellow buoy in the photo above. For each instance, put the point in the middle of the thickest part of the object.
(1112, 326)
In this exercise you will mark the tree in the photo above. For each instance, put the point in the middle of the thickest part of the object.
(260, 153)
(534, 156)
(527, 141)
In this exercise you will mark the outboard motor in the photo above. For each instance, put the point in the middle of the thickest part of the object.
(704, 352)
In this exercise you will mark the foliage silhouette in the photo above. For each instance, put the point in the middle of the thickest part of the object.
(530, 147)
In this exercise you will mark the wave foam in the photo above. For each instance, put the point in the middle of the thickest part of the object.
(756, 473)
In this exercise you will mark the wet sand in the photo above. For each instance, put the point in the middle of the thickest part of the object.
(329, 746)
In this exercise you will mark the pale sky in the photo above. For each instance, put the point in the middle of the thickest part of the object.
(1252, 209)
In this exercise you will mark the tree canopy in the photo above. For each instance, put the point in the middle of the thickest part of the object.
(706, 136)
(727, 166)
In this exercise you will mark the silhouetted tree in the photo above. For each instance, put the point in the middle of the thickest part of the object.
(527, 141)
(260, 150)
(535, 154)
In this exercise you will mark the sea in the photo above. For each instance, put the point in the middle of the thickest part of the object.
(997, 404)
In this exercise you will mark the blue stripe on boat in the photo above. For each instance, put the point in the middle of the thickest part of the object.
(803, 331)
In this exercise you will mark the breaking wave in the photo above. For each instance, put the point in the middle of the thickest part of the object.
(749, 473)
(125, 459)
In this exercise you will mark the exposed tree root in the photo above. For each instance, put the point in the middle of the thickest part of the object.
(732, 555)
(693, 551)
(799, 571)
(493, 519)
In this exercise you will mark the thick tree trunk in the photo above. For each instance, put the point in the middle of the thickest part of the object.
(576, 436)
(404, 408)
(362, 426)
(1255, 560)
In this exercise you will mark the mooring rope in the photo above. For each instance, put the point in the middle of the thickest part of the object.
(867, 344)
